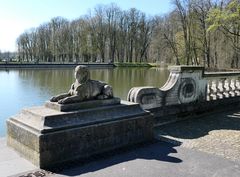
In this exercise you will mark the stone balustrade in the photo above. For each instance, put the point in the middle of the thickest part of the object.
(221, 85)
(188, 84)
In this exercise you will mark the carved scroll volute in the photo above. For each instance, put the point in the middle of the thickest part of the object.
(147, 97)
(187, 91)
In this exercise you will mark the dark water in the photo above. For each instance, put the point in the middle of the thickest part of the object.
(32, 87)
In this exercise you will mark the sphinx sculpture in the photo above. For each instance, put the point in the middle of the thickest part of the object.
(84, 89)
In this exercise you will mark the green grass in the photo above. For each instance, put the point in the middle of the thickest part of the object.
(154, 64)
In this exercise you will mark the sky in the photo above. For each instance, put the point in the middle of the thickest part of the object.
(16, 16)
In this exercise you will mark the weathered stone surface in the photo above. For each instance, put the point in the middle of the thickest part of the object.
(48, 137)
(188, 92)
(84, 89)
(184, 85)
(169, 114)
(82, 105)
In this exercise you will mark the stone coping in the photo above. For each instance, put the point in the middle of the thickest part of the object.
(189, 68)
(185, 68)
(221, 74)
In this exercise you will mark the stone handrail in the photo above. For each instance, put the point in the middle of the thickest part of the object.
(187, 85)
(222, 85)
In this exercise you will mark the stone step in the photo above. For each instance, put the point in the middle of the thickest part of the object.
(44, 119)
(48, 137)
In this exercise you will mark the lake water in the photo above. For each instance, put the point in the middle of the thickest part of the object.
(32, 87)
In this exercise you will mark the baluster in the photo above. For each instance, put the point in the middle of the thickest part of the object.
(220, 88)
(232, 87)
(238, 83)
(237, 86)
(210, 90)
(223, 89)
(218, 96)
(226, 88)
(215, 85)
(213, 88)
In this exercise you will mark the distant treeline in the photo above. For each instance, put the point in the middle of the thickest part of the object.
(200, 32)
(7, 56)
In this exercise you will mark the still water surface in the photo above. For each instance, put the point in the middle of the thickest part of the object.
(32, 87)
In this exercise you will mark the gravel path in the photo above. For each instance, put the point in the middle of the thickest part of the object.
(217, 134)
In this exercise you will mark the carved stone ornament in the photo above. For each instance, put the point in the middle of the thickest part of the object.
(185, 84)
(84, 89)
(187, 90)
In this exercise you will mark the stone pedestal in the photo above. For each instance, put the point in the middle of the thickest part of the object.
(47, 136)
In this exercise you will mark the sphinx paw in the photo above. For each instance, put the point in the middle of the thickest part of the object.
(53, 99)
(62, 101)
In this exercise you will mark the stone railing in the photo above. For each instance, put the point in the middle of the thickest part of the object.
(189, 85)
(221, 85)
(184, 85)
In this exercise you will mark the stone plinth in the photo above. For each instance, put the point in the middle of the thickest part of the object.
(48, 137)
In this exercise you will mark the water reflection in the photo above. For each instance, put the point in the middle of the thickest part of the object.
(32, 87)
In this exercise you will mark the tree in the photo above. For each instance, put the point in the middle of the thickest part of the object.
(201, 9)
(227, 20)
(183, 12)
(196, 32)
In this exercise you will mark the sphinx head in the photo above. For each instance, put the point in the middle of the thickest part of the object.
(82, 74)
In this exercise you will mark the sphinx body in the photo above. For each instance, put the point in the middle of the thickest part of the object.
(84, 89)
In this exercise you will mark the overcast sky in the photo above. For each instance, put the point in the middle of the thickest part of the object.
(16, 16)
